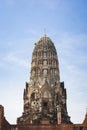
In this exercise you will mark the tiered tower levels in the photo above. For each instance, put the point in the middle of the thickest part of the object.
(44, 96)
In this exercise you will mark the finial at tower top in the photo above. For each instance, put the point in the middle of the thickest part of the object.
(45, 32)
(45, 35)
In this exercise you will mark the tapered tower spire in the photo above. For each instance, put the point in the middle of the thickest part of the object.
(44, 96)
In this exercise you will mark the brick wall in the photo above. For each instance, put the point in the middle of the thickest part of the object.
(4, 125)
(1, 116)
(49, 127)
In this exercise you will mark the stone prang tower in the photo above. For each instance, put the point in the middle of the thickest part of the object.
(44, 95)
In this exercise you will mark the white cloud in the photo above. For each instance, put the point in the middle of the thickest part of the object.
(15, 60)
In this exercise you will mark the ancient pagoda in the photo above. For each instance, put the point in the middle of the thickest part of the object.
(44, 96)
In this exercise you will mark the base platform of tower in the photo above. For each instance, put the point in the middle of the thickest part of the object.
(5, 125)
(45, 96)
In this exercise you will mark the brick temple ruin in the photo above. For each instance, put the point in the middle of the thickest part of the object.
(45, 96)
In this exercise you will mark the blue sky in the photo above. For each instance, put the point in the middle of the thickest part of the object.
(22, 23)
